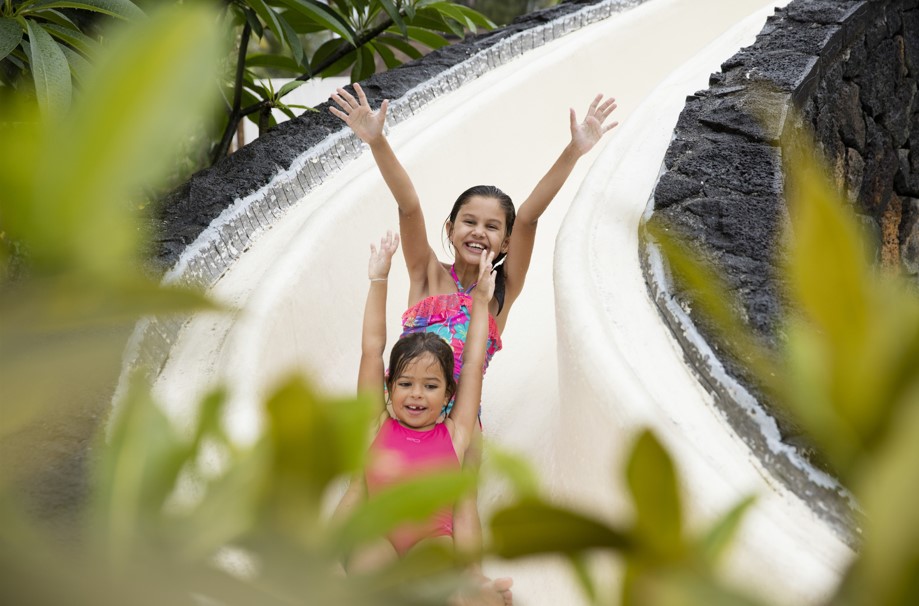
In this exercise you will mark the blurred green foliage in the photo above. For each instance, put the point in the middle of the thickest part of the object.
(192, 517)
(849, 368)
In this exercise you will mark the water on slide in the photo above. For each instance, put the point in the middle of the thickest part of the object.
(587, 361)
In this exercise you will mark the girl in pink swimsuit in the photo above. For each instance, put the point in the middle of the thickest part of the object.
(480, 222)
(413, 441)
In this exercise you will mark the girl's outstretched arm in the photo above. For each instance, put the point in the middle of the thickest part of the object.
(373, 335)
(584, 135)
(368, 126)
(469, 387)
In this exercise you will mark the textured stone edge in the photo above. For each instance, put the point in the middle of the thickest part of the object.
(231, 222)
(824, 494)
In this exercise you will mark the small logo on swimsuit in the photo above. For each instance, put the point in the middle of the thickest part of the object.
(415, 440)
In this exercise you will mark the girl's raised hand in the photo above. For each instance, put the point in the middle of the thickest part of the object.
(485, 286)
(381, 259)
(356, 113)
(584, 135)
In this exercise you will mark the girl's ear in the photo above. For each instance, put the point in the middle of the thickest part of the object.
(506, 244)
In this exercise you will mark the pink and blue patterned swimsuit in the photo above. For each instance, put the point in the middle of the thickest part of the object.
(448, 317)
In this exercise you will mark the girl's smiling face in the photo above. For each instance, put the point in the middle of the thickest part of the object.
(480, 226)
(419, 393)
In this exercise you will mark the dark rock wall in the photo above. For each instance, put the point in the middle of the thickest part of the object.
(851, 69)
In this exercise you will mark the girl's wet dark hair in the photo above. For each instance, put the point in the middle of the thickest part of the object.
(415, 345)
(510, 213)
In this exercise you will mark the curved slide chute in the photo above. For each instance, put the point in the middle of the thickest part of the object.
(587, 360)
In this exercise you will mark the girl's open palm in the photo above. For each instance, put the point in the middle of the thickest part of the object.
(381, 259)
(584, 135)
(356, 113)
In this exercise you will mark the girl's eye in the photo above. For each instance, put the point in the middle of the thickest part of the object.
(468, 222)
(404, 384)
(431, 386)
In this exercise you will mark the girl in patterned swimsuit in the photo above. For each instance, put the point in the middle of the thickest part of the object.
(480, 222)
(411, 441)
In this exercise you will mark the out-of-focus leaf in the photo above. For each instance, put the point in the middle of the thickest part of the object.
(582, 574)
(315, 440)
(515, 469)
(534, 527)
(50, 71)
(324, 16)
(10, 35)
(653, 484)
(144, 97)
(888, 486)
(712, 297)
(683, 588)
(716, 540)
(135, 473)
(116, 8)
(414, 500)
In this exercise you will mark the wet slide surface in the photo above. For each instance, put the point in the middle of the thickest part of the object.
(587, 361)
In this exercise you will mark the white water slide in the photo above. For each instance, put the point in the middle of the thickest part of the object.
(587, 360)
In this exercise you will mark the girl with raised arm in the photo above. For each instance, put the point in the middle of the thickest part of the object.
(481, 222)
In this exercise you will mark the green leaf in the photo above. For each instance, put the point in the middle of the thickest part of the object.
(292, 85)
(887, 484)
(414, 500)
(719, 536)
(315, 441)
(430, 39)
(514, 469)
(270, 18)
(293, 40)
(50, 71)
(10, 36)
(144, 97)
(400, 45)
(324, 16)
(389, 59)
(365, 65)
(79, 67)
(74, 38)
(135, 473)
(122, 9)
(653, 484)
(274, 61)
(534, 527)
(393, 13)
(254, 23)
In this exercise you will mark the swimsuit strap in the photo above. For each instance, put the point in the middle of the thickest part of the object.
(459, 287)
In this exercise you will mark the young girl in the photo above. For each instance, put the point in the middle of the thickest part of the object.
(480, 222)
(411, 439)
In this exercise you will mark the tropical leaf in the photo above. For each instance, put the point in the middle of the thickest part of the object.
(10, 36)
(109, 147)
(270, 18)
(116, 8)
(282, 62)
(50, 71)
(393, 13)
(653, 484)
(400, 45)
(292, 85)
(324, 16)
(293, 40)
(75, 38)
(364, 66)
(389, 59)
(533, 527)
(428, 38)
